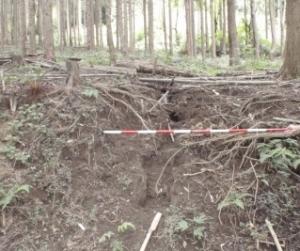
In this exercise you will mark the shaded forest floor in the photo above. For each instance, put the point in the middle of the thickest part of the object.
(89, 191)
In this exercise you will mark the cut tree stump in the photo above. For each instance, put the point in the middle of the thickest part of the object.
(73, 71)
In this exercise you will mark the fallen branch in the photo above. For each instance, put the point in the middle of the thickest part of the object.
(163, 97)
(274, 235)
(208, 82)
(154, 68)
(287, 120)
(152, 228)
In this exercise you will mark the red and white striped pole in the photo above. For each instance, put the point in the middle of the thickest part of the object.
(207, 131)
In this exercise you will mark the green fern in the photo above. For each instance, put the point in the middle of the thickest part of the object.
(281, 153)
(181, 226)
(233, 199)
(6, 197)
(126, 227)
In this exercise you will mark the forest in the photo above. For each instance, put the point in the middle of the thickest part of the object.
(149, 125)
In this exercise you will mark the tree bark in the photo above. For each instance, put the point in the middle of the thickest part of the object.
(255, 37)
(47, 21)
(119, 24)
(232, 34)
(125, 28)
(190, 28)
(3, 23)
(170, 27)
(40, 22)
(80, 29)
(164, 24)
(206, 26)
(110, 41)
(213, 29)
(291, 65)
(282, 24)
(151, 26)
(73, 71)
(90, 24)
(273, 24)
(22, 26)
(203, 51)
(97, 21)
(62, 24)
(145, 24)
(266, 19)
(131, 31)
(224, 30)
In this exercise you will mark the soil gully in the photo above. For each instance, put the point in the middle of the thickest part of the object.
(152, 165)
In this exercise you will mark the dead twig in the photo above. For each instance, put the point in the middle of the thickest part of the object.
(274, 235)
(130, 108)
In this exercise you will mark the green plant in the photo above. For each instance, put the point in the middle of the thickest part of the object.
(14, 154)
(114, 243)
(126, 227)
(117, 245)
(6, 197)
(195, 226)
(90, 92)
(233, 199)
(180, 227)
(199, 229)
(281, 153)
(106, 236)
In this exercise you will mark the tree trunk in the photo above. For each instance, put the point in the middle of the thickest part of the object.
(282, 24)
(15, 25)
(31, 26)
(125, 28)
(291, 65)
(255, 38)
(62, 24)
(213, 29)
(131, 17)
(80, 29)
(97, 21)
(40, 22)
(69, 23)
(22, 26)
(224, 29)
(273, 25)
(232, 34)
(151, 26)
(48, 40)
(90, 24)
(203, 52)
(266, 19)
(3, 23)
(170, 27)
(119, 24)
(246, 26)
(145, 24)
(206, 27)
(164, 25)
(110, 41)
(190, 28)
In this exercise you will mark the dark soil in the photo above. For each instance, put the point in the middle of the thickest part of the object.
(79, 177)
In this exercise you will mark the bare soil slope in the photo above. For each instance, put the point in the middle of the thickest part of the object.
(85, 185)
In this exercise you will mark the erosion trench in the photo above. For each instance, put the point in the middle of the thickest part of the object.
(90, 191)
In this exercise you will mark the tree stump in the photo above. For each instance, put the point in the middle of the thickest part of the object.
(73, 71)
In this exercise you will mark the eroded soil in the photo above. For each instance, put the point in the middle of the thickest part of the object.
(85, 184)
